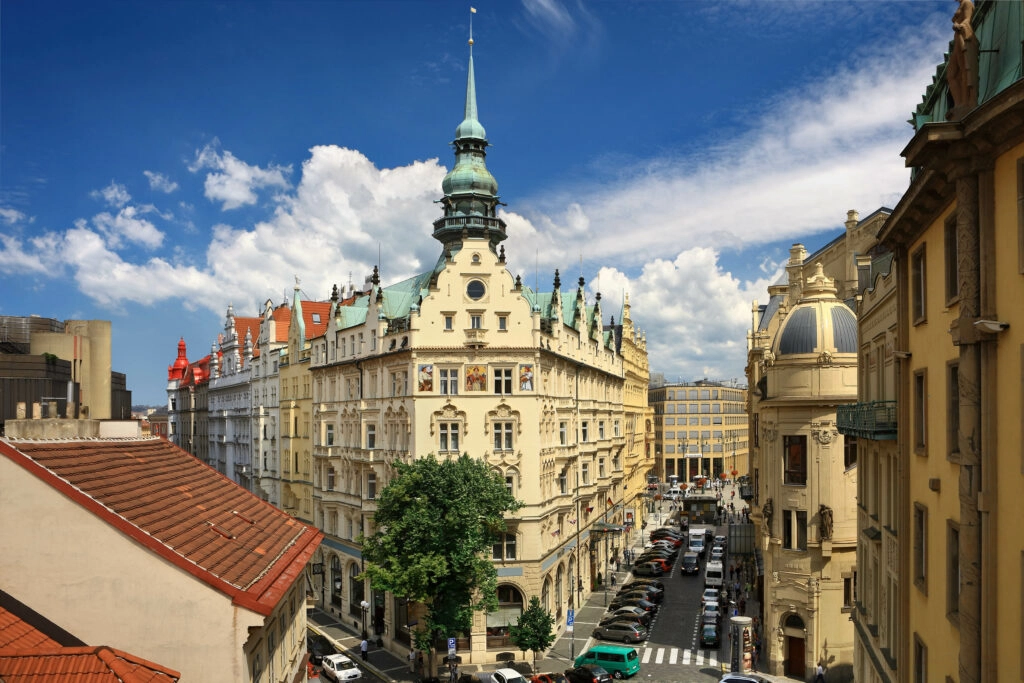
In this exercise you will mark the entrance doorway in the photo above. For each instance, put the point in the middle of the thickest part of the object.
(793, 628)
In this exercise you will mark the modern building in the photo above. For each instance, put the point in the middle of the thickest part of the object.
(949, 532)
(52, 367)
(466, 358)
(700, 428)
(134, 543)
(801, 366)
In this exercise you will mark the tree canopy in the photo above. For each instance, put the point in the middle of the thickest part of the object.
(434, 522)
(534, 630)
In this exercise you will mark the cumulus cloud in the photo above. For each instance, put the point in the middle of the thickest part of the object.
(10, 216)
(160, 182)
(126, 224)
(113, 194)
(15, 259)
(234, 182)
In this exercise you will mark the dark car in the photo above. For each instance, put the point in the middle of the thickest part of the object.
(621, 630)
(588, 673)
(647, 569)
(640, 594)
(663, 550)
(666, 530)
(646, 592)
(709, 636)
(645, 616)
(640, 584)
(318, 647)
(639, 620)
(690, 563)
(657, 583)
(666, 555)
(666, 565)
(632, 601)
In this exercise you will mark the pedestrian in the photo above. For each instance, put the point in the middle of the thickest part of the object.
(412, 661)
(364, 648)
(743, 606)
(419, 662)
(819, 674)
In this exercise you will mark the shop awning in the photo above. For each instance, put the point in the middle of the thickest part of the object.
(604, 527)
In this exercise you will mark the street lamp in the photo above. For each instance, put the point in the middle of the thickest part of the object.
(730, 438)
(366, 608)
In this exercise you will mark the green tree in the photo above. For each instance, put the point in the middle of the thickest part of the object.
(534, 629)
(434, 522)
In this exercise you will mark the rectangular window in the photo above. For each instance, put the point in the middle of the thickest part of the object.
(953, 411)
(585, 431)
(330, 479)
(849, 451)
(952, 272)
(920, 558)
(505, 548)
(371, 436)
(563, 433)
(600, 468)
(794, 529)
(502, 323)
(918, 310)
(585, 469)
(449, 322)
(616, 429)
(449, 436)
(795, 456)
(787, 529)
(600, 429)
(920, 409)
(953, 571)
(371, 485)
(330, 435)
(920, 661)
(847, 592)
(503, 380)
(449, 381)
(502, 436)
(563, 483)
(474, 322)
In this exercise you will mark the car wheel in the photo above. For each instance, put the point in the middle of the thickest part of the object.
(596, 634)
(617, 674)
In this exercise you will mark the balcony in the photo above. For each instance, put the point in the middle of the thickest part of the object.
(874, 420)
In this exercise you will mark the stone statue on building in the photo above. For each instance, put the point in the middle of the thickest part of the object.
(962, 69)
(825, 513)
(766, 517)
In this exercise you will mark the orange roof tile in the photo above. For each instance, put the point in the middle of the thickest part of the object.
(18, 634)
(323, 308)
(248, 325)
(80, 665)
(181, 509)
(283, 316)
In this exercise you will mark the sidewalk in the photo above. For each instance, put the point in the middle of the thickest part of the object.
(383, 664)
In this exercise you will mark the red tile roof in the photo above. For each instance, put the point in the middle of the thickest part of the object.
(283, 316)
(17, 634)
(80, 665)
(323, 308)
(248, 325)
(181, 509)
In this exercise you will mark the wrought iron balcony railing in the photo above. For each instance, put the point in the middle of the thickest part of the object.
(871, 420)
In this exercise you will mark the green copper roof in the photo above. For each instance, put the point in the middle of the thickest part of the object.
(470, 126)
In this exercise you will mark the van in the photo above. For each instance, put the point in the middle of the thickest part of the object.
(696, 544)
(714, 575)
(618, 660)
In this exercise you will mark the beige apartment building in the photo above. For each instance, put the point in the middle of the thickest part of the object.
(953, 540)
(465, 358)
(700, 428)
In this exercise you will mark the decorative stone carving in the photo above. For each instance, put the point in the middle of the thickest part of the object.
(824, 358)
(768, 359)
(769, 431)
(824, 432)
(767, 510)
(825, 524)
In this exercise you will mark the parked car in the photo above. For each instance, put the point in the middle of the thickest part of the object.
(713, 609)
(647, 569)
(709, 636)
(645, 605)
(628, 618)
(627, 611)
(710, 594)
(661, 553)
(340, 668)
(318, 647)
(657, 583)
(665, 564)
(717, 553)
(741, 678)
(622, 631)
(588, 673)
(646, 592)
(548, 678)
(722, 541)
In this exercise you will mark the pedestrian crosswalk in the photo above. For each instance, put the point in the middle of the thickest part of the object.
(676, 655)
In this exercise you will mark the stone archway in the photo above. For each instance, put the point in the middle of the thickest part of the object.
(794, 646)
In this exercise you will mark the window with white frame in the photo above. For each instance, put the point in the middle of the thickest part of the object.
(585, 431)
(563, 433)
(585, 473)
(600, 429)
(502, 323)
(449, 322)
(449, 436)
(371, 436)
(600, 468)
(794, 529)
(474, 322)
(371, 485)
(503, 436)
(510, 484)
(449, 381)
(563, 483)
(505, 547)
(503, 380)
(329, 437)
(616, 430)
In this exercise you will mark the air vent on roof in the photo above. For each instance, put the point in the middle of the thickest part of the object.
(242, 517)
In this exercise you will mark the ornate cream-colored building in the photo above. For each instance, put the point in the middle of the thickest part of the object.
(467, 358)
(802, 365)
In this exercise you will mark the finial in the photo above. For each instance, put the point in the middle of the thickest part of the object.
(472, 11)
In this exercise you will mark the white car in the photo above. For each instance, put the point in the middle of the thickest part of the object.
(340, 668)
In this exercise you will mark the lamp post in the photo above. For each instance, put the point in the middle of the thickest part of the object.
(730, 438)
(366, 608)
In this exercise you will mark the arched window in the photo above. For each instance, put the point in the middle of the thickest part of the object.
(794, 621)
(545, 594)
(356, 593)
(337, 581)
(510, 608)
(559, 582)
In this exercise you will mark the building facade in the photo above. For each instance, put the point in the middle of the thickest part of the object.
(957, 237)
(466, 358)
(230, 400)
(801, 366)
(700, 430)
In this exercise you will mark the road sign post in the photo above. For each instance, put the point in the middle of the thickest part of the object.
(570, 620)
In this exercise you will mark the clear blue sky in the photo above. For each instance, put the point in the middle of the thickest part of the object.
(161, 160)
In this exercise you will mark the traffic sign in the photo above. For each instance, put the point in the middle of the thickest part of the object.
(570, 620)
(451, 646)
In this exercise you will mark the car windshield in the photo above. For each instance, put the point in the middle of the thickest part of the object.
(346, 664)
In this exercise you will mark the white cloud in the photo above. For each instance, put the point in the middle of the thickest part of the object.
(160, 182)
(113, 194)
(235, 182)
(11, 216)
(127, 225)
(14, 259)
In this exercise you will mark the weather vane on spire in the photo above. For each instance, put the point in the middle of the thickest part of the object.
(472, 11)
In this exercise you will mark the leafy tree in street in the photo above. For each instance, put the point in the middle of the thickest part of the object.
(436, 522)
(534, 630)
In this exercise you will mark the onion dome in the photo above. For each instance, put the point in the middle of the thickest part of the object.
(820, 324)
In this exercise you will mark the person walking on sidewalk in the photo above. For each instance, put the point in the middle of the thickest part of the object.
(364, 648)
(412, 661)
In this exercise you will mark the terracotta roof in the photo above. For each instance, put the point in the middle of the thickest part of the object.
(17, 634)
(80, 665)
(283, 316)
(250, 325)
(181, 509)
(323, 309)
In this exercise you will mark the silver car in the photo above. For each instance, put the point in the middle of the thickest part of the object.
(626, 631)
